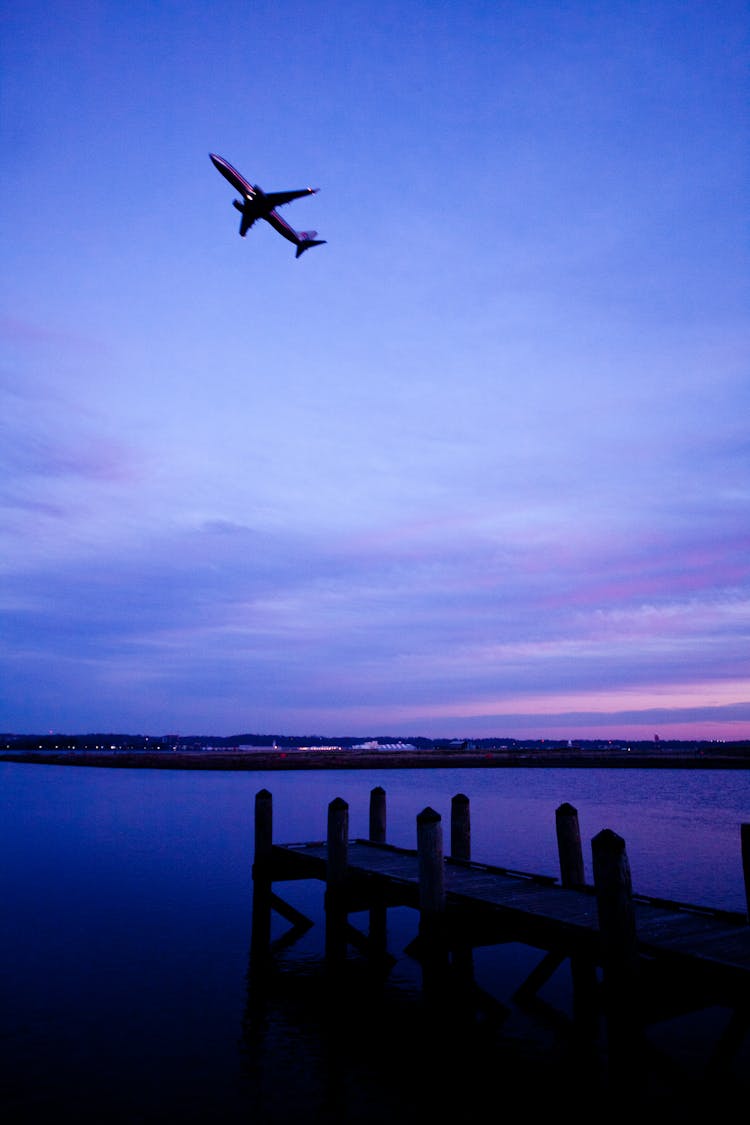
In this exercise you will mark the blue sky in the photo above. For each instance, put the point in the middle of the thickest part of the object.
(476, 467)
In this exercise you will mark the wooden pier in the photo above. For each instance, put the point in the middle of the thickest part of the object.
(634, 959)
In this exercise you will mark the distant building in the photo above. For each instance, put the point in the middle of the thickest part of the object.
(375, 745)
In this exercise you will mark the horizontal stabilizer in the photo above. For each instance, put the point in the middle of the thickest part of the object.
(306, 240)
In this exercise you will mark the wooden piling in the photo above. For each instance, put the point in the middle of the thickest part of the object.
(377, 815)
(745, 838)
(378, 931)
(569, 846)
(614, 896)
(262, 887)
(460, 827)
(582, 969)
(432, 903)
(263, 826)
(338, 842)
(431, 872)
(462, 992)
(336, 870)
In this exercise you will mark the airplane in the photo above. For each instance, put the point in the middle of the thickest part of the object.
(258, 204)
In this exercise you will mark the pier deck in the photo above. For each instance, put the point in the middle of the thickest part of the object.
(486, 904)
(634, 960)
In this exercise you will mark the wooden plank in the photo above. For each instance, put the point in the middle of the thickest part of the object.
(662, 927)
(553, 904)
(728, 946)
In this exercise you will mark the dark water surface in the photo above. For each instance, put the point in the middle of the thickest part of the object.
(128, 994)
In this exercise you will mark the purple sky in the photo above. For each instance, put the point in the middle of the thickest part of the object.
(477, 467)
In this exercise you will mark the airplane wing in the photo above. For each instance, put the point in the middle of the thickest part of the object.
(279, 198)
(236, 180)
(247, 219)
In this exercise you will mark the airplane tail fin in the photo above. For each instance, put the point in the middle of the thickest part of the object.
(306, 240)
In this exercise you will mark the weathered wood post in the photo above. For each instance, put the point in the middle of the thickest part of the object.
(263, 827)
(582, 969)
(338, 843)
(569, 846)
(462, 955)
(614, 896)
(745, 838)
(431, 868)
(260, 936)
(431, 901)
(378, 908)
(460, 827)
(336, 874)
(377, 815)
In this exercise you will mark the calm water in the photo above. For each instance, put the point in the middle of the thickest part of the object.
(127, 991)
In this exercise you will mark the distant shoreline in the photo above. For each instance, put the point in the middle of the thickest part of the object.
(261, 761)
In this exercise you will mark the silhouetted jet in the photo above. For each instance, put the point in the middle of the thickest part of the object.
(258, 204)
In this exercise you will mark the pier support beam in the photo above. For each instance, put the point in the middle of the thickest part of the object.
(263, 827)
(337, 843)
(614, 896)
(460, 828)
(378, 908)
(745, 838)
(431, 869)
(569, 846)
(377, 815)
(336, 873)
(260, 936)
(432, 943)
(461, 954)
(582, 969)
